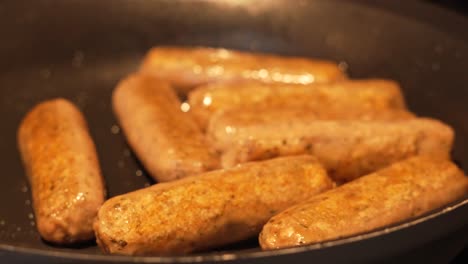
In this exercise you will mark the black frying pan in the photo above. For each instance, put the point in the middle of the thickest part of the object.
(80, 49)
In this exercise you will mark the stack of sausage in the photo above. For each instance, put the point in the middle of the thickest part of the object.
(284, 147)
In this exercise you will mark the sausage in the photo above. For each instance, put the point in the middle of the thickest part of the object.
(347, 148)
(248, 120)
(401, 191)
(186, 68)
(63, 171)
(209, 210)
(166, 140)
(371, 95)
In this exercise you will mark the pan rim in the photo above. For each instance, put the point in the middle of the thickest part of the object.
(228, 256)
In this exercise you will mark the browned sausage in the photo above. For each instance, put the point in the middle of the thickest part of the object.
(186, 68)
(347, 148)
(166, 140)
(371, 95)
(403, 190)
(209, 210)
(248, 120)
(63, 170)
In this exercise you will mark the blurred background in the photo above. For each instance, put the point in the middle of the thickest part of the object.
(458, 5)
(461, 6)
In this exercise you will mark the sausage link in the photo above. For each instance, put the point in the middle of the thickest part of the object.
(186, 68)
(63, 170)
(371, 95)
(229, 123)
(209, 210)
(401, 191)
(347, 148)
(167, 141)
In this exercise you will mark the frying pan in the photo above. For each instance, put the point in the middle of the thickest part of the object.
(80, 49)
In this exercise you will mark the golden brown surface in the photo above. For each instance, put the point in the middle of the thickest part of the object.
(166, 140)
(372, 95)
(209, 210)
(403, 190)
(248, 120)
(348, 148)
(63, 171)
(186, 68)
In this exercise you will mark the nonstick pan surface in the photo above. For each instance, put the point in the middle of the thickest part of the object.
(80, 49)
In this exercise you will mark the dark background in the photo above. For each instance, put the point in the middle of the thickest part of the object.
(461, 6)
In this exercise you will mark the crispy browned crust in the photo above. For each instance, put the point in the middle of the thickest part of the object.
(209, 210)
(403, 190)
(63, 170)
(373, 96)
(186, 68)
(348, 149)
(166, 140)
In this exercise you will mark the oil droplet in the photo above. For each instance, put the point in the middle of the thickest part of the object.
(115, 129)
(24, 188)
(2, 222)
(288, 78)
(343, 66)
(215, 70)
(262, 74)
(185, 107)
(223, 54)
(138, 173)
(80, 197)
(207, 100)
(30, 216)
(45, 74)
(27, 202)
(120, 164)
(147, 184)
(230, 129)
(18, 229)
(32, 223)
(277, 77)
(126, 153)
(78, 59)
(305, 79)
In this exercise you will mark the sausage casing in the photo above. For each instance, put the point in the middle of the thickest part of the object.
(403, 190)
(63, 170)
(371, 95)
(248, 120)
(209, 210)
(167, 141)
(186, 68)
(347, 148)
